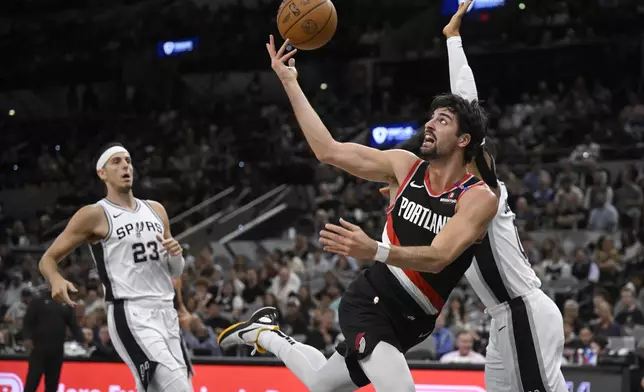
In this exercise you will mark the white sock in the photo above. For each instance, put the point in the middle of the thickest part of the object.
(305, 361)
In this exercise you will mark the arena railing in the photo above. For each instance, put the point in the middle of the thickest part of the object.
(204, 204)
(244, 214)
(229, 220)
(270, 375)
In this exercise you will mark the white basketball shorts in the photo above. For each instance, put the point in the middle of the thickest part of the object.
(525, 348)
(145, 334)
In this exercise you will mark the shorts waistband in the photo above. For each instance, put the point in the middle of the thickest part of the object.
(147, 303)
(513, 303)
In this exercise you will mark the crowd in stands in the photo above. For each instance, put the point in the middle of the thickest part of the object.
(186, 157)
(306, 284)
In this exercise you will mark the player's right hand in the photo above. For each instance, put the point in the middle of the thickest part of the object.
(453, 28)
(282, 63)
(60, 288)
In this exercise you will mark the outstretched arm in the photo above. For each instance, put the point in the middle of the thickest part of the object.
(361, 161)
(461, 77)
(476, 209)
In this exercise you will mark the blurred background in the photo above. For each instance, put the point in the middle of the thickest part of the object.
(186, 86)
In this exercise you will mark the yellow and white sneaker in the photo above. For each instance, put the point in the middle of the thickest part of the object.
(247, 332)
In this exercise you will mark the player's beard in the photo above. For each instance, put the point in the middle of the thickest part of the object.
(430, 153)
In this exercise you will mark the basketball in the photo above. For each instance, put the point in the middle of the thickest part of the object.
(309, 24)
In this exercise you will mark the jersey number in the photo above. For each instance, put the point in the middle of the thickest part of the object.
(141, 254)
(516, 231)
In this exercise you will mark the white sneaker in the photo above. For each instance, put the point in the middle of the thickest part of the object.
(247, 332)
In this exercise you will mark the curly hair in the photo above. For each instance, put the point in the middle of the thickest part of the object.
(471, 118)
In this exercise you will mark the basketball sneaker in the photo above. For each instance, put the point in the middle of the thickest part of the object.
(247, 332)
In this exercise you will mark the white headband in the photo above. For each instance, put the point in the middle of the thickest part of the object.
(105, 156)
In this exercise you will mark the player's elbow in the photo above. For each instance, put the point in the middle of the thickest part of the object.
(438, 264)
(331, 154)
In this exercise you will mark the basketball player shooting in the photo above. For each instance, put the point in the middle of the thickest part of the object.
(136, 258)
(501, 274)
(440, 212)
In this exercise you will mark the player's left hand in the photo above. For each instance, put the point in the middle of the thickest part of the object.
(171, 246)
(453, 28)
(348, 240)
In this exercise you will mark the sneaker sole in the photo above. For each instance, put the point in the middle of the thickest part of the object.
(266, 311)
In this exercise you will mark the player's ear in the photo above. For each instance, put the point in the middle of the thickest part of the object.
(101, 174)
(464, 140)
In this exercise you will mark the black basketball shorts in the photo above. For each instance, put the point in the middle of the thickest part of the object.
(369, 316)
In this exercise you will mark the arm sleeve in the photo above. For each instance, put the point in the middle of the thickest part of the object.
(461, 77)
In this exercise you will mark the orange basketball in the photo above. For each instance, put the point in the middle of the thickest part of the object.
(309, 24)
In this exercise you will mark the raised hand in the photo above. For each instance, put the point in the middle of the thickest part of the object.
(453, 28)
(282, 63)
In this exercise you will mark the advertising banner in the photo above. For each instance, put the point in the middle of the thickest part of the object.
(115, 377)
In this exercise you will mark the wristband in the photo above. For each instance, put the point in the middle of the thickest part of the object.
(383, 252)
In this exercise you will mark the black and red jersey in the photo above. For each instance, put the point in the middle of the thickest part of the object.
(416, 216)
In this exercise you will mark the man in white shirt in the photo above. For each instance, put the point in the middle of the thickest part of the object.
(463, 353)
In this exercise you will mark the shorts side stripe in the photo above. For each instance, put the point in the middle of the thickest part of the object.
(144, 366)
(523, 341)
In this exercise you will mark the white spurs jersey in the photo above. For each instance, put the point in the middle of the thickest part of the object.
(500, 270)
(129, 259)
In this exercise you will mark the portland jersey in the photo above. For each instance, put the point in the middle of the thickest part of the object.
(416, 216)
(500, 270)
(129, 259)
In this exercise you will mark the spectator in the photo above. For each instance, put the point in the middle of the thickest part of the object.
(583, 268)
(88, 343)
(599, 187)
(214, 318)
(229, 302)
(608, 260)
(443, 336)
(103, 348)
(629, 199)
(283, 285)
(605, 326)
(201, 339)
(295, 321)
(555, 267)
(526, 219)
(583, 341)
(252, 292)
(571, 316)
(18, 309)
(632, 315)
(603, 216)
(463, 352)
(545, 194)
(323, 334)
(455, 317)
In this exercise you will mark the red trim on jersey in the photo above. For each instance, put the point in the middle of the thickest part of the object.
(434, 298)
(402, 186)
(468, 188)
(463, 180)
